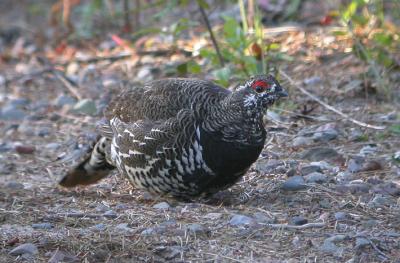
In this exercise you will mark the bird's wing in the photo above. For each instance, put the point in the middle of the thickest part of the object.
(163, 99)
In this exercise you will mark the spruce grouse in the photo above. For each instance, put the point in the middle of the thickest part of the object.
(183, 137)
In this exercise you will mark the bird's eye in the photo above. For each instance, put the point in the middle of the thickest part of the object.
(260, 86)
(259, 89)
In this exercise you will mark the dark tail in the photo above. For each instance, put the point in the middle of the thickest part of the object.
(93, 168)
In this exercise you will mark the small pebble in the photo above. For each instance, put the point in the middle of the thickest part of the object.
(213, 216)
(85, 106)
(298, 220)
(361, 242)
(316, 177)
(310, 169)
(341, 216)
(302, 141)
(196, 228)
(162, 205)
(27, 248)
(42, 226)
(148, 231)
(123, 227)
(110, 214)
(240, 220)
(14, 185)
(24, 149)
(294, 183)
(98, 227)
(326, 135)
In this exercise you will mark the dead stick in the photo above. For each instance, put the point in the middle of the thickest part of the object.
(214, 41)
(285, 226)
(67, 84)
(329, 107)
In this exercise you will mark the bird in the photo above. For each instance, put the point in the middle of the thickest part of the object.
(182, 137)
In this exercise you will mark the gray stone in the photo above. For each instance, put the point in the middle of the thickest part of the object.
(268, 165)
(316, 177)
(358, 187)
(213, 216)
(14, 185)
(149, 231)
(196, 228)
(330, 247)
(369, 149)
(396, 156)
(110, 214)
(100, 207)
(326, 135)
(294, 183)
(355, 164)
(52, 146)
(86, 107)
(42, 226)
(144, 73)
(322, 165)
(361, 242)
(11, 113)
(27, 248)
(123, 227)
(60, 256)
(380, 201)
(370, 223)
(341, 216)
(387, 188)
(162, 205)
(298, 220)
(310, 169)
(320, 153)
(18, 103)
(241, 220)
(344, 176)
(64, 100)
(99, 227)
(314, 80)
(302, 141)
(263, 219)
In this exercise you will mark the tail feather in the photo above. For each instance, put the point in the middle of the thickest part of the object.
(92, 169)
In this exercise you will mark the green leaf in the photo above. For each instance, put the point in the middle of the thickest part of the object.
(339, 33)
(395, 129)
(222, 76)
(350, 11)
(203, 4)
(193, 67)
(274, 46)
(383, 39)
(182, 69)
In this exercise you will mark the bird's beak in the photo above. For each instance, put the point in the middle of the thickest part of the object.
(282, 93)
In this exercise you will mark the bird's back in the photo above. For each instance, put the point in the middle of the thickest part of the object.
(163, 99)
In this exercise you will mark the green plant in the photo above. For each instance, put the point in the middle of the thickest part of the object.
(375, 39)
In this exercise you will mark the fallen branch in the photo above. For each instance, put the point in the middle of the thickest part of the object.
(286, 226)
(214, 41)
(74, 91)
(329, 107)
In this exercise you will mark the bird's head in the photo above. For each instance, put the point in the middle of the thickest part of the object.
(262, 91)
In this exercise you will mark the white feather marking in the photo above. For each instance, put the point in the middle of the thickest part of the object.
(134, 152)
(250, 100)
(148, 138)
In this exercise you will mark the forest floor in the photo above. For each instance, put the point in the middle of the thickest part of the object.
(325, 189)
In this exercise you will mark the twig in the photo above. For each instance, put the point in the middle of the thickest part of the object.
(215, 44)
(67, 84)
(222, 256)
(285, 226)
(329, 107)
